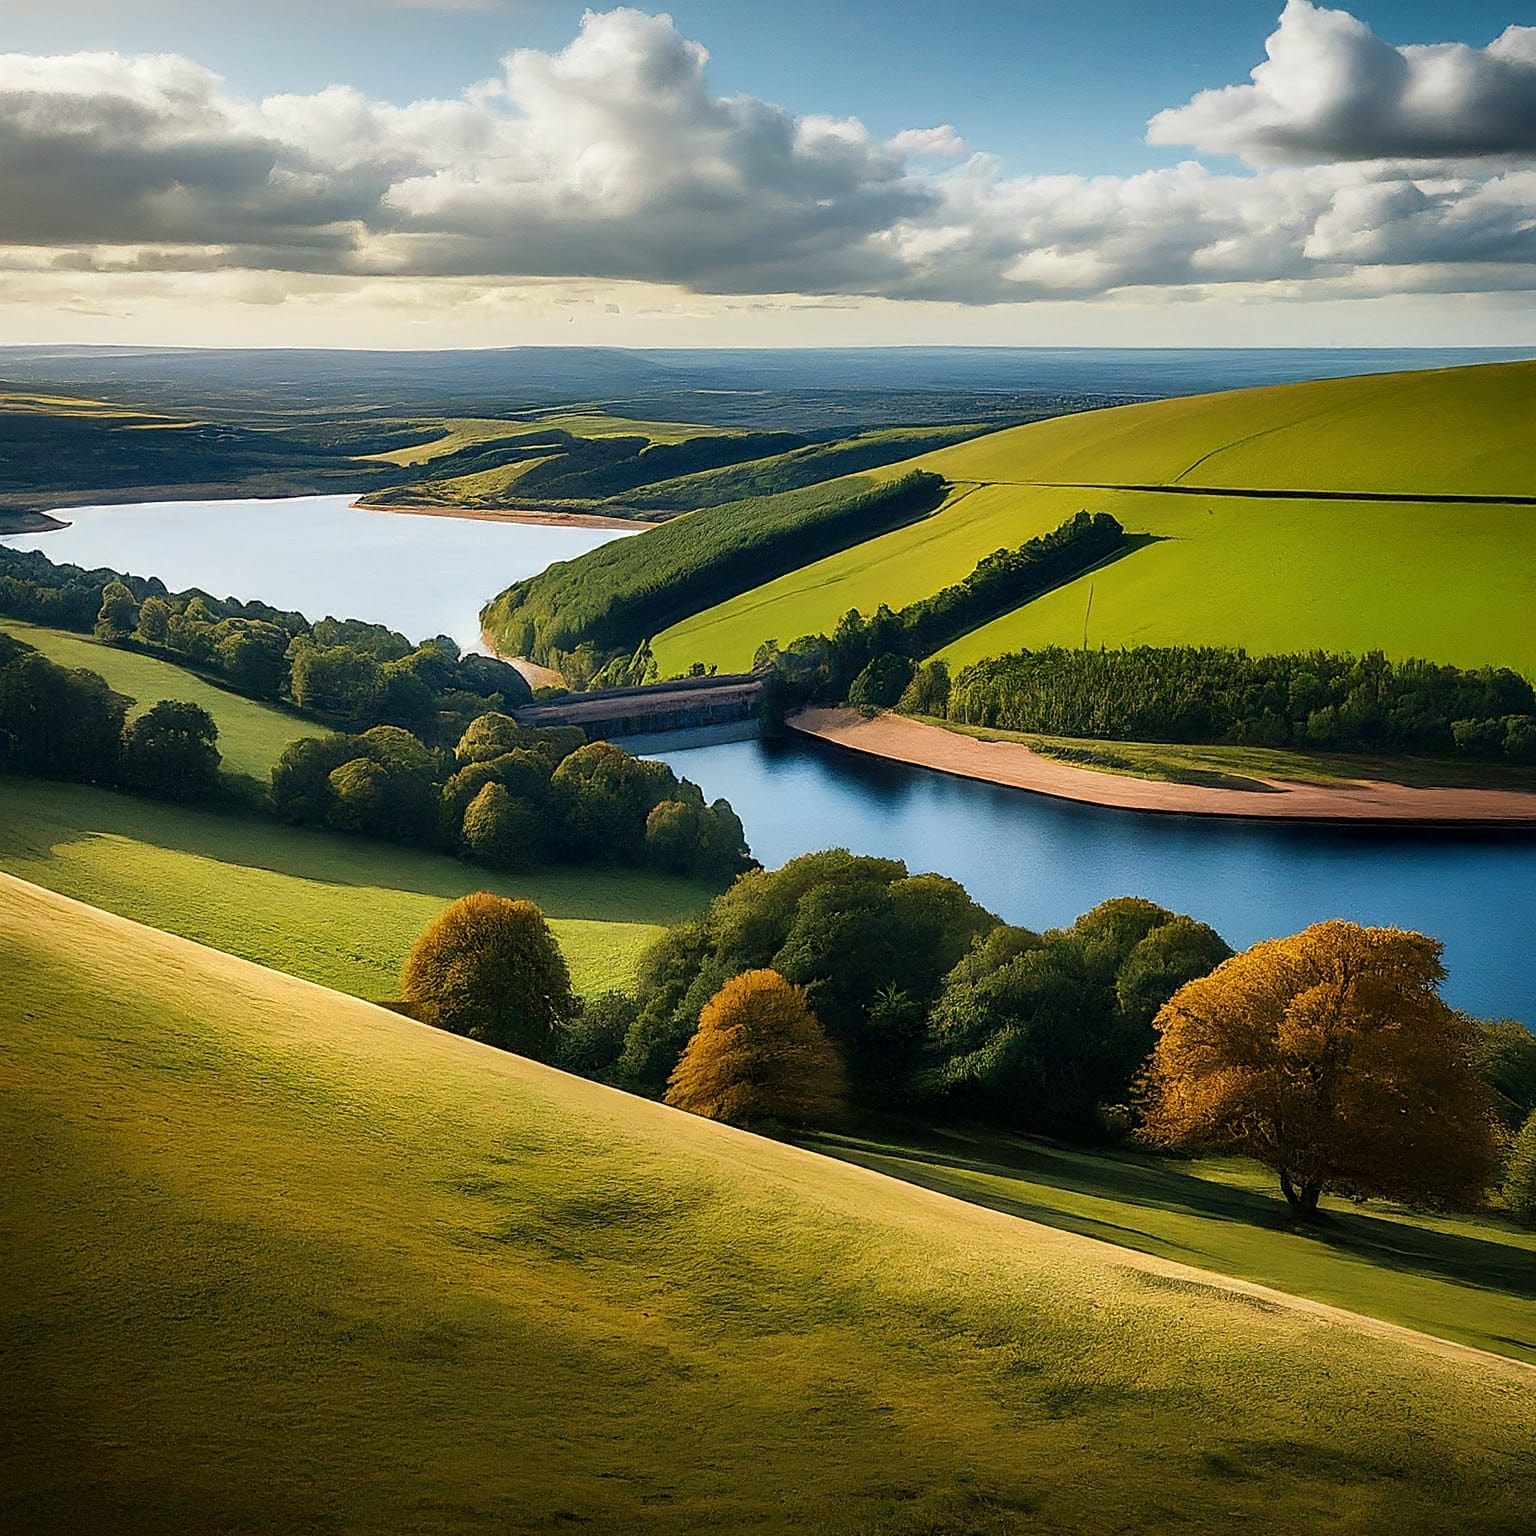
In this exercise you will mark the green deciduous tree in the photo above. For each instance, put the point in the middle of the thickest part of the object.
(1520, 1174)
(490, 968)
(172, 751)
(119, 615)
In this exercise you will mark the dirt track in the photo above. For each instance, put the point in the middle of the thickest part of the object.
(1012, 764)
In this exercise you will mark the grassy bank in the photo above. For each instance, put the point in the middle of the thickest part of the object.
(337, 910)
(1470, 1279)
(278, 1261)
(1233, 767)
(251, 735)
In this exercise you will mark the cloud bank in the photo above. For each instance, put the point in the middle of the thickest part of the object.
(1377, 169)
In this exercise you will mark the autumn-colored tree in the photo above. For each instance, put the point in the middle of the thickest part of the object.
(1330, 1058)
(759, 1054)
(490, 968)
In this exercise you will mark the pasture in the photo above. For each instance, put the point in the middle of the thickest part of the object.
(1450, 581)
(252, 735)
(277, 1260)
(336, 910)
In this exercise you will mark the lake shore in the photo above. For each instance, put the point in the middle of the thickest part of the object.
(533, 674)
(510, 515)
(1014, 766)
(29, 522)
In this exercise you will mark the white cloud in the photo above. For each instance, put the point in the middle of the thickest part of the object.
(1332, 90)
(612, 160)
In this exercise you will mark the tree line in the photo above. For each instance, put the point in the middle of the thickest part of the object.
(617, 597)
(344, 671)
(870, 662)
(509, 797)
(840, 985)
(1222, 695)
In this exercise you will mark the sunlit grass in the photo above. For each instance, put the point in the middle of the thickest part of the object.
(280, 1262)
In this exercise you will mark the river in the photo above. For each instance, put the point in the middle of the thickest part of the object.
(1032, 860)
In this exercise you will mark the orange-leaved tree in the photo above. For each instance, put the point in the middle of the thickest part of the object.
(759, 1054)
(1330, 1058)
(490, 968)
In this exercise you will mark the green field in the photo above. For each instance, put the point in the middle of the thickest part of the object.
(1454, 582)
(336, 910)
(278, 1261)
(251, 735)
(1467, 1278)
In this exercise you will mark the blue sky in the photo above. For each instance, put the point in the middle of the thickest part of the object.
(1251, 220)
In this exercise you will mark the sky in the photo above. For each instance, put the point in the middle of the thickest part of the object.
(441, 173)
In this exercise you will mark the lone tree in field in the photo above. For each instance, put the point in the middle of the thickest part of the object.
(759, 1054)
(1330, 1058)
(489, 968)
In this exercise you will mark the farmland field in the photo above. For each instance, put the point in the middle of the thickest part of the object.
(275, 1260)
(336, 910)
(1451, 581)
(252, 736)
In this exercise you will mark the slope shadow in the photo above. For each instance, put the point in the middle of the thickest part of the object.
(921, 1154)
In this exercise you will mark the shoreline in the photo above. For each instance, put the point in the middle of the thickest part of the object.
(510, 515)
(1013, 766)
(533, 674)
(29, 522)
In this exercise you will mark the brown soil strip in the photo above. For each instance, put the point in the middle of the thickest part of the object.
(1013, 765)
(512, 515)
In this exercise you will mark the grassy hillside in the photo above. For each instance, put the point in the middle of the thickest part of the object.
(337, 910)
(1451, 581)
(275, 1260)
(1467, 1278)
(251, 735)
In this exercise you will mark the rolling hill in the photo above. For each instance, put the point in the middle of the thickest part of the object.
(277, 1260)
(1393, 512)
(342, 911)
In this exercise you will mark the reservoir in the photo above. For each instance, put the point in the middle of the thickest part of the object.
(422, 576)
(1033, 861)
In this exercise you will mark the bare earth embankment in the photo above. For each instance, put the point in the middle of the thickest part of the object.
(510, 515)
(1012, 764)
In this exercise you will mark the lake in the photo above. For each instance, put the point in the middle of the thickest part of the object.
(1032, 860)
(1041, 862)
(420, 575)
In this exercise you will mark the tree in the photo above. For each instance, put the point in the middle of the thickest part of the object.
(119, 615)
(1520, 1175)
(172, 750)
(500, 830)
(1505, 1058)
(1331, 1059)
(759, 1054)
(490, 968)
(154, 620)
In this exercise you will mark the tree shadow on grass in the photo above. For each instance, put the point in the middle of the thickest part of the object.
(933, 1158)
(51, 815)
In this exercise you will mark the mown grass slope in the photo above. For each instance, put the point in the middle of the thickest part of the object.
(336, 910)
(252, 736)
(1467, 1278)
(1454, 582)
(278, 1261)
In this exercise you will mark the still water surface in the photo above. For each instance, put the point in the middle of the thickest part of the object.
(1034, 861)
(1041, 862)
(420, 575)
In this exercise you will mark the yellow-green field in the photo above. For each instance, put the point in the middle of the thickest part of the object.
(277, 1261)
(336, 910)
(251, 735)
(472, 431)
(1454, 582)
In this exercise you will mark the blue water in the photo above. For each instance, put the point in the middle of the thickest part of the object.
(422, 576)
(1041, 862)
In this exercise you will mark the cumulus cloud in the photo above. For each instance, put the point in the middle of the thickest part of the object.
(1332, 90)
(612, 159)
